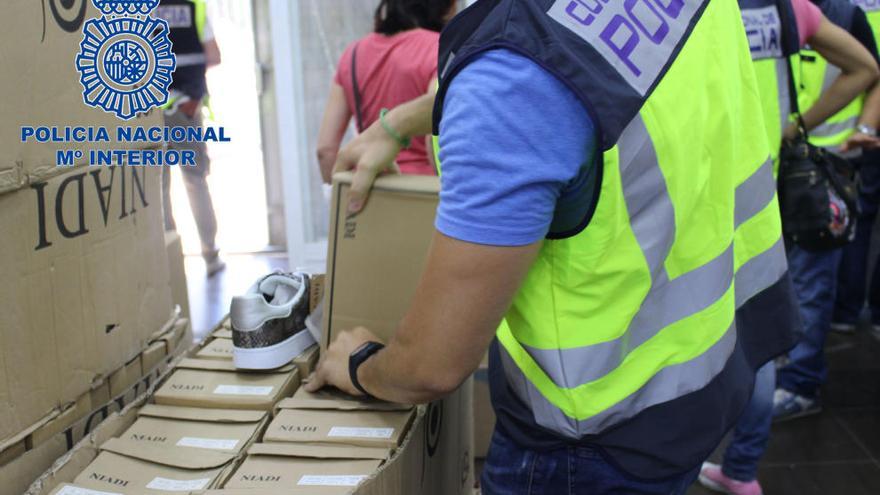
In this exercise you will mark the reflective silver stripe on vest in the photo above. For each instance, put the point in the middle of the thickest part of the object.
(668, 301)
(753, 195)
(760, 272)
(188, 59)
(784, 92)
(831, 129)
(668, 384)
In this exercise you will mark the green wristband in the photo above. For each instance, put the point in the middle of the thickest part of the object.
(403, 141)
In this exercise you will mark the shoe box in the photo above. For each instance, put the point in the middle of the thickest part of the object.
(172, 449)
(213, 383)
(87, 286)
(221, 348)
(39, 85)
(320, 469)
(374, 261)
(328, 418)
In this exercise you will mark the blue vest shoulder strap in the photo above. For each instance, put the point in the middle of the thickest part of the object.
(611, 54)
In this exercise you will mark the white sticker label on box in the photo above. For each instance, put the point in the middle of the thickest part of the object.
(168, 485)
(328, 480)
(208, 443)
(353, 432)
(242, 390)
(75, 490)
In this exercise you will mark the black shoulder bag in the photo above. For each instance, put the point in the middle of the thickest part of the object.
(818, 190)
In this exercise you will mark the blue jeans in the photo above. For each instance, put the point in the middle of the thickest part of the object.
(752, 430)
(814, 275)
(851, 281)
(512, 470)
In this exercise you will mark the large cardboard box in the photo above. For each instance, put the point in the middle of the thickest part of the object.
(321, 469)
(87, 284)
(436, 456)
(374, 263)
(39, 86)
(217, 384)
(177, 272)
(327, 419)
(375, 258)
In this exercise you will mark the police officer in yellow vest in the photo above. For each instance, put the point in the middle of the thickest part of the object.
(602, 226)
(851, 290)
(195, 47)
(774, 42)
(815, 273)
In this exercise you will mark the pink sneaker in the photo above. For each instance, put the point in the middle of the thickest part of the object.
(712, 478)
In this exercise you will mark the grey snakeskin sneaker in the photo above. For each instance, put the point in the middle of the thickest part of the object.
(268, 321)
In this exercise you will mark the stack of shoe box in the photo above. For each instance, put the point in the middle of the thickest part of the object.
(321, 443)
(323, 440)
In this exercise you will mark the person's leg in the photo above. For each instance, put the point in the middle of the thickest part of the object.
(203, 211)
(752, 431)
(854, 264)
(739, 470)
(814, 275)
(166, 199)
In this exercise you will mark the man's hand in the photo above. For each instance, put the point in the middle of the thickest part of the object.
(860, 140)
(369, 154)
(333, 367)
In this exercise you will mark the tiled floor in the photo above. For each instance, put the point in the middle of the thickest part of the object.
(209, 298)
(834, 453)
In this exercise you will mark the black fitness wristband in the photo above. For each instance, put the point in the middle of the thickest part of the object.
(357, 358)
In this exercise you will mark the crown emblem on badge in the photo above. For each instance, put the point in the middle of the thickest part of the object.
(125, 60)
(123, 7)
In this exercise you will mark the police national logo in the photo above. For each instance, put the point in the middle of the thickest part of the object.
(125, 60)
(126, 7)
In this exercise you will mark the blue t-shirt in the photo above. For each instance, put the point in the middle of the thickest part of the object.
(515, 142)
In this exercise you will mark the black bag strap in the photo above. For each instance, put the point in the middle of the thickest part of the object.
(785, 20)
(358, 113)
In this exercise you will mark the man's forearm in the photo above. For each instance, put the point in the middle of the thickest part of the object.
(413, 118)
(397, 374)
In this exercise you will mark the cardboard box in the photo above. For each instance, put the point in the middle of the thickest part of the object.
(216, 384)
(322, 469)
(214, 429)
(87, 284)
(375, 258)
(484, 415)
(136, 468)
(123, 378)
(216, 349)
(153, 355)
(39, 86)
(326, 419)
(436, 456)
(177, 271)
